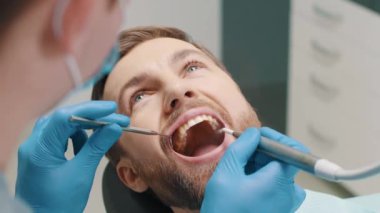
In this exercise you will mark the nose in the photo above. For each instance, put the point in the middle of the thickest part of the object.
(176, 97)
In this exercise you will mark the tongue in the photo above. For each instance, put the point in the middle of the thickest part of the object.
(201, 139)
(204, 149)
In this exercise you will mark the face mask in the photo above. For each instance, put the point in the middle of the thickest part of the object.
(70, 60)
(105, 69)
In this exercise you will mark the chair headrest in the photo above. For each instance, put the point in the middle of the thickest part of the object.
(118, 198)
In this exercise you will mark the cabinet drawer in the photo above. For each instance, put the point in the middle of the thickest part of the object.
(343, 18)
(335, 66)
(334, 98)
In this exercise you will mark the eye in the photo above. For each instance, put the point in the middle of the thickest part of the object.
(193, 66)
(138, 97)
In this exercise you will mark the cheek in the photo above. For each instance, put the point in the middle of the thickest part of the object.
(147, 115)
(224, 89)
(227, 93)
(234, 101)
(144, 146)
(141, 147)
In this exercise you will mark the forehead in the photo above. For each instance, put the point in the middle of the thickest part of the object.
(144, 57)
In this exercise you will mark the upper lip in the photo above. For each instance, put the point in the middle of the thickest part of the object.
(189, 114)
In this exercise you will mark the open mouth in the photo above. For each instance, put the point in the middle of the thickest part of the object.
(198, 135)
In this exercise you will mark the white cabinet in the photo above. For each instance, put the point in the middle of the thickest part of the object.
(334, 83)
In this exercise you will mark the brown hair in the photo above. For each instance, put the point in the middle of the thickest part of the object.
(128, 40)
(10, 9)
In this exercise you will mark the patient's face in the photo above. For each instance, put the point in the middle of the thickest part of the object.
(172, 87)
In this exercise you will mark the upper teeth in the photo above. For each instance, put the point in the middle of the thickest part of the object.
(194, 121)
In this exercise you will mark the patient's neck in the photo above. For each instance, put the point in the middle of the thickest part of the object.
(179, 210)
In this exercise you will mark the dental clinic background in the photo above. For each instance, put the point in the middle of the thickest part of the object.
(310, 67)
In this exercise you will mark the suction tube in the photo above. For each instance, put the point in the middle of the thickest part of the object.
(314, 165)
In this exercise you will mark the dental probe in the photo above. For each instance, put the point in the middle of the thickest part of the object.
(319, 167)
(96, 123)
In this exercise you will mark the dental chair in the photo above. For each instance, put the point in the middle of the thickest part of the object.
(118, 198)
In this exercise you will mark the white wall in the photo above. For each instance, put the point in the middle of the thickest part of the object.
(200, 18)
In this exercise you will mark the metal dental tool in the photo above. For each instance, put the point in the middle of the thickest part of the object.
(319, 167)
(96, 123)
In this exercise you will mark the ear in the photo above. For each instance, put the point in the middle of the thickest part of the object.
(71, 19)
(128, 175)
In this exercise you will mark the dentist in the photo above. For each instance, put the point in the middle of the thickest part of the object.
(49, 48)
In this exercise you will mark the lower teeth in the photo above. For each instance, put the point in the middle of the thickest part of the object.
(201, 138)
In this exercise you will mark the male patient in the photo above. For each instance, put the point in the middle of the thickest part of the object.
(166, 82)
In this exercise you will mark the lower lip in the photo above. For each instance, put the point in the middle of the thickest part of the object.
(213, 155)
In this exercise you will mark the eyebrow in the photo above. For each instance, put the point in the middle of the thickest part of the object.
(179, 55)
(136, 80)
(132, 83)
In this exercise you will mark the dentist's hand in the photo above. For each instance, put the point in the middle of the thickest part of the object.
(245, 181)
(48, 181)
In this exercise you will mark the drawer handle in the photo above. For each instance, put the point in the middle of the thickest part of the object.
(319, 137)
(327, 15)
(324, 53)
(322, 90)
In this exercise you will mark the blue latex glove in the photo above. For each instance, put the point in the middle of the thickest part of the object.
(49, 182)
(245, 181)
